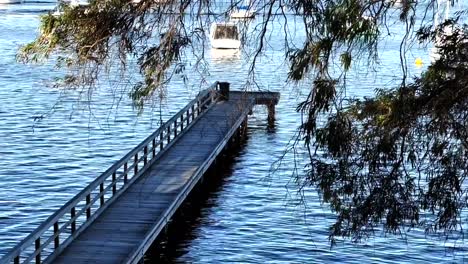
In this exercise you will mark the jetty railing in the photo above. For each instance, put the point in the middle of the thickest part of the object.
(53, 235)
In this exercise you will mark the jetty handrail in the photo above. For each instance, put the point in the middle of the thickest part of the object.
(45, 240)
(138, 253)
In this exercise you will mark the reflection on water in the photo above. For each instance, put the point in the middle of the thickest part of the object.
(225, 55)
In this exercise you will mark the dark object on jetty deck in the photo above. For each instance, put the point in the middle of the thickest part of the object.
(116, 217)
(224, 90)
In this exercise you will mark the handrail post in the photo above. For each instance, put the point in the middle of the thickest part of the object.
(56, 234)
(135, 168)
(73, 223)
(37, 246)
(154, 148)
(175, 128)
(101, 192)
(16, 260)
(88, 202)
(145, 153)
(114, 184)
(125, 172)
(161, 143)
(182, 122)
(168, 134)
(188, 117)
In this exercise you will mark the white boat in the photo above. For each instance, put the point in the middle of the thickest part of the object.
(2, 2)
(224, 35)
(242, 12)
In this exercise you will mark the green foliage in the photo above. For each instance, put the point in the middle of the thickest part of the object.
(345, 59)
(399, 159)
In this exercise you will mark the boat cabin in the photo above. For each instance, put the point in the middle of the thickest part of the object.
(225, 36)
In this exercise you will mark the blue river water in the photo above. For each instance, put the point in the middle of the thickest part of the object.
(53, 142)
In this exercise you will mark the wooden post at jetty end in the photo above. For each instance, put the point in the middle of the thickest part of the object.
(271, 114)
(224, 90)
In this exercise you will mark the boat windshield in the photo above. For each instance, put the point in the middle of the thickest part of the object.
(226, 32)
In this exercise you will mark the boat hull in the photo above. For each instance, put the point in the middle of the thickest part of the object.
(242, 14)
(225, 44)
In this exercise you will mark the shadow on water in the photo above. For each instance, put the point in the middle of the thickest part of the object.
(181, 230)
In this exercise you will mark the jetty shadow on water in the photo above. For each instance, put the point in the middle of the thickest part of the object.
(181, 230)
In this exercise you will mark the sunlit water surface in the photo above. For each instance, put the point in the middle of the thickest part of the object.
(52, 143)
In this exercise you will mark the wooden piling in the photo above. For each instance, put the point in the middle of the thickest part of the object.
(271, 114)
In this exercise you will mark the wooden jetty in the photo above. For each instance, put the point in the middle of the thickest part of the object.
(116, 218)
